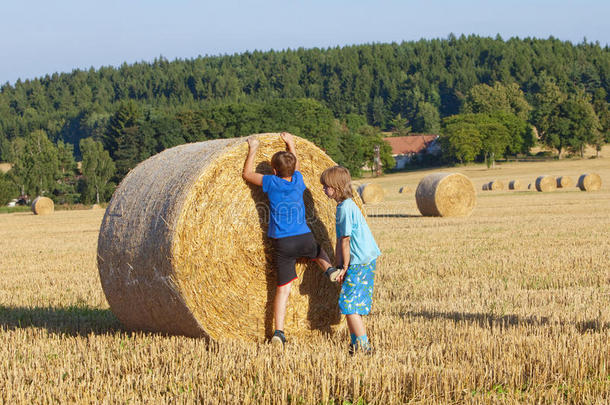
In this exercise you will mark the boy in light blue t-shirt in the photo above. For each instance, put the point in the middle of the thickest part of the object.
(356, 255)
(290, 235)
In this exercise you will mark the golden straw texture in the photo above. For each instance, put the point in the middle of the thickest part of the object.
(43, 206)
(590, 182)
(514, 185)
(445, 195)
(564, 182)
(183, 246)
(371, 193)
(546, 183)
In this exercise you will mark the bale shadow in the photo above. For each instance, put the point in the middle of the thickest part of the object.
(393, 216)
(491, 321)
(75, 320)
(481, 319)
(323, 295)
(262, 203)
(591, 326)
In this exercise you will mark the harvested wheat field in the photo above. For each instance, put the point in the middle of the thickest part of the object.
(508, 305)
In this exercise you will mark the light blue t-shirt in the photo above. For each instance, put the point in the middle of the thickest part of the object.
(350, 222)
(286, 206)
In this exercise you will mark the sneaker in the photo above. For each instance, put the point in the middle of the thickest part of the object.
(278, 339)
(332, 273)
(356, 348)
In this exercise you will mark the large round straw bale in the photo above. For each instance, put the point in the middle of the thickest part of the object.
(514, 185)
(371, 193)
(546, 183)
(43, 206)
(445, 195)
(496, 185)
(564, 182)
(183, 247)
(590, 182)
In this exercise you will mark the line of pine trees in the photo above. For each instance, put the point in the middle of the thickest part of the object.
(483, 95)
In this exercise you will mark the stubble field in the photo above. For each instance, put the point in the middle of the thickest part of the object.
(510, 305)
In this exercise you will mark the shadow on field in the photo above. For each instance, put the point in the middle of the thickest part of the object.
(492, 321)
(393, 216)
(75, 320)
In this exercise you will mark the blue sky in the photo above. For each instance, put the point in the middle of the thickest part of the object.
(39, 37)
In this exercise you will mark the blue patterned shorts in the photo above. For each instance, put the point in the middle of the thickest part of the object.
(357, 290)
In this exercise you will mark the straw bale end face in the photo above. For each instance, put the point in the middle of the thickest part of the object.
(183, 246)
(495, 185)
(546, 183)
(371, 193)
(43, 206)
(445, 195)
(514, 185)
(590, 182)
(564, 182)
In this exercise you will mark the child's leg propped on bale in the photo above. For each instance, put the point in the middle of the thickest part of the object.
(323, 260)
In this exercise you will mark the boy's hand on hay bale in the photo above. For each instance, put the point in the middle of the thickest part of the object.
(253, 143)
(288, 139)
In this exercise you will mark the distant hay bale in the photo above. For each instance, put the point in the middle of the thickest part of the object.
(590, 182)
(514, 185)
(43, 206)
(183, 249)
(404, 189)
(371, 193)
(5, 167)
(546, 183)
(485, 187)
(445, 195)
(529, 186)
(564, 182)
(95, 207)
(495, 185)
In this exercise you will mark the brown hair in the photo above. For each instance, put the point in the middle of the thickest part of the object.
(339, 179)
(284, 163)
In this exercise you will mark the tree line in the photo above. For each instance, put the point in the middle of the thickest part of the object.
(481, 94)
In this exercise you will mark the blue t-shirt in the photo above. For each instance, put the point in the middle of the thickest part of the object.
(350, 222)
(287, 209)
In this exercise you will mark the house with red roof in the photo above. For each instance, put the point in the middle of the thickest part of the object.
(407, 148)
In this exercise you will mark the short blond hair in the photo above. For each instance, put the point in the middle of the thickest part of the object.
(284, 163)
(339, 179)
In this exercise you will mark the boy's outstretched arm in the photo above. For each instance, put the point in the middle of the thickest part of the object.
(290, 144)
(249, 174)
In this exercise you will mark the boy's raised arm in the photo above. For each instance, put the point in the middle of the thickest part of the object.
(290, 144)
(249, 174)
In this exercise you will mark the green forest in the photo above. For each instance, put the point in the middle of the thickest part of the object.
(486, 97)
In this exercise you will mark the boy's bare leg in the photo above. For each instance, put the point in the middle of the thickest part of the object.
(279, 305)
(323, 260)
(355, 324)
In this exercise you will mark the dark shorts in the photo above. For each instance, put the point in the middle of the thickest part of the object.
(287, 250)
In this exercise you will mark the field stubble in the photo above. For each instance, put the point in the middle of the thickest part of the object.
(511, 304)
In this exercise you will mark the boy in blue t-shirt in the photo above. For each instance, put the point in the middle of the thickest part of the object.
(291, 237)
